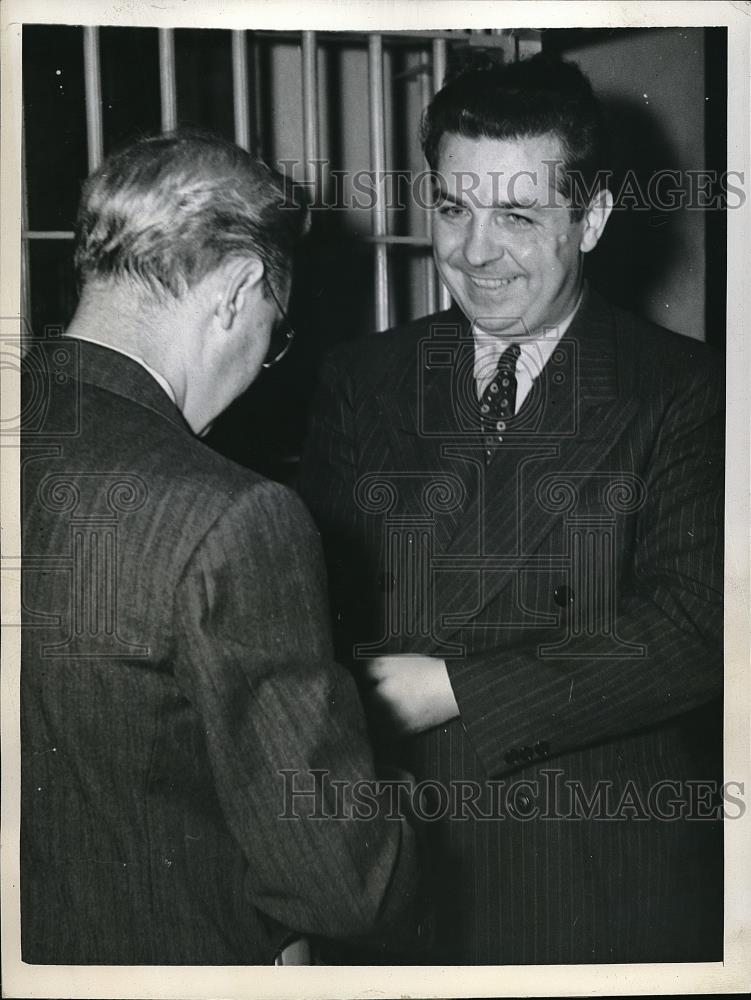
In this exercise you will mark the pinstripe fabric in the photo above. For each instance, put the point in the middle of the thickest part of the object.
(606, 494)
(151, 750)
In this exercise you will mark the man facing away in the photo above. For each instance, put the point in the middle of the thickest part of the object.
(521, 500)
(177, 672)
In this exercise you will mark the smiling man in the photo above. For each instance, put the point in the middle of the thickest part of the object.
(506, 245)
(521, 500)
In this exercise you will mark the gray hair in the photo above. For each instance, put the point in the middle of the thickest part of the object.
(166, 210)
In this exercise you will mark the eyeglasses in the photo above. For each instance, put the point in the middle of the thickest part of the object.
(282, 333)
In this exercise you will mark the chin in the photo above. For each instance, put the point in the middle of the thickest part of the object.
(497, 326)
(506, 324)
(498, 314)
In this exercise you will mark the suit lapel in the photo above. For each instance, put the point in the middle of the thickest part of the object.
(430, 411)
(577, 411)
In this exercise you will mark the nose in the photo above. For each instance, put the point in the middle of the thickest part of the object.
(481, 245)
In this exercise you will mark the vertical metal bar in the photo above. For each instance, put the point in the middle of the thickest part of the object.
(431, 292)
(259, 55)
(439, 72)
(93, 97)
(240, 90)
(310, 124)
(378, 166)
(25, 251)
(388, 146)
(439, 63)
(167, 87)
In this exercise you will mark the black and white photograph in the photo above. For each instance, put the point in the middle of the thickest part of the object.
(375, 488)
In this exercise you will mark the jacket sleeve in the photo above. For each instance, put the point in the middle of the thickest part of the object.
(254, 659)
(670, 604)
(326, 481)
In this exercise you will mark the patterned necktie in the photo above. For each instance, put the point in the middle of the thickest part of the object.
(498, 402)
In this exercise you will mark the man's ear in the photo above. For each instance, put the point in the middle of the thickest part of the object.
(595, 219)
(238, 279)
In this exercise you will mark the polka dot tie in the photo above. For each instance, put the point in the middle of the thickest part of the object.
(498, 402)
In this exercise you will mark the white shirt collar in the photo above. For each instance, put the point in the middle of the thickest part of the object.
(157, 376)
(535, 352)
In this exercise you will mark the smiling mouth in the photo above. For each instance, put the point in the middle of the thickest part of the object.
(493, 283)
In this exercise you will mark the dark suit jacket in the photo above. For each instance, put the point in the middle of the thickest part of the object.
(573, 585)
(176, 659)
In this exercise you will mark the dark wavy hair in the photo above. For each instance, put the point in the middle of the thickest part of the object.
(530, 97)
(166, 210)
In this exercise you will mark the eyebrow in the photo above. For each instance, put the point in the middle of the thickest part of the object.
(472, 201)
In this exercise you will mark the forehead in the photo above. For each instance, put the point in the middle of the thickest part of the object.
(524, 167)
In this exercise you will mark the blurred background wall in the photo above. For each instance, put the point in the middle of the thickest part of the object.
(665, 91)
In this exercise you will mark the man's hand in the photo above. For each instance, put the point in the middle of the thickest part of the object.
(409, 693)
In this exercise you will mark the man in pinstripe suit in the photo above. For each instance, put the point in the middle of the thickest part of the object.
(176, 649)
(521, 500)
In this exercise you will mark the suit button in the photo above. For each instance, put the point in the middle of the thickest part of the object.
(526, 753)
(542, 748)
(512, 756)
(563, 596)
(524, 800)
